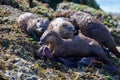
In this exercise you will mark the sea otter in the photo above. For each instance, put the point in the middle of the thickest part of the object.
(63, 27)
(32, 24)
(79, 46)
(90, 27)
(66, 30)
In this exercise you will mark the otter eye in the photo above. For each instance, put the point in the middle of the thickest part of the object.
(64, 25)
(38, 20)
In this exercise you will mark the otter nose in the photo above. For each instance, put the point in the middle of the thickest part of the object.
(40, 43)
(74, 30)
(42, 29)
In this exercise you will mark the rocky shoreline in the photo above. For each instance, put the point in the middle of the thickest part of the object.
(16, 48)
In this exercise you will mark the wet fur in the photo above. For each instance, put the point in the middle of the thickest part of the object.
(32, 25)
(79, 46)
(90, 27)
(63, 27)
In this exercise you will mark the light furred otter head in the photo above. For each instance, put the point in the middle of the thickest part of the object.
(49, 36)
(42, 24)
(67, 30)
(22, 19)
(63, 27)
(39, 25)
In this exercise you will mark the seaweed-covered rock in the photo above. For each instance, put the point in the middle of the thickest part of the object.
(8, 14)
(17, 48)
(43, 11)
(99, 14)
(53, 3)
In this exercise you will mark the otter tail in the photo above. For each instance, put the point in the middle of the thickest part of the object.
(112, 47)
(109, 65)
(115, 52)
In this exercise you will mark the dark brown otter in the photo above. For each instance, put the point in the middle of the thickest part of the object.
(44, 52)
(63, 27)
(66, 30)
(90, 27)
(79, 46)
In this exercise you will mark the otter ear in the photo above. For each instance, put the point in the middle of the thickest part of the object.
(72, 21)
(50, 27)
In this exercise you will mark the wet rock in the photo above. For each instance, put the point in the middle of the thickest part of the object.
(8, 14)
(43, 11)
(21, 71)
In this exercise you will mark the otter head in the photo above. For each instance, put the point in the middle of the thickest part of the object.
(63, 27)
(42, 24)
(23, 19)
(67, 30)
(47, 37)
